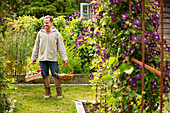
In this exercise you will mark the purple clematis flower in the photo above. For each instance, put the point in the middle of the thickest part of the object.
(146, 104)
(145, 39)
(113, 19)
(148, 56)
(156, 37)
(139, 5)
(123, 44)
(138, 76)
(91, 76)
(135, 65)
(131, 80)
(135, 38)
(92, 29)
(137, 22)
(85, 29)
(133, 8)
(166, 91)
(134, 84)
(154, 52)
(2, 20)
(124, 16)
(80, 40)
(112, 13)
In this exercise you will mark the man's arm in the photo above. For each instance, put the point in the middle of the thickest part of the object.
(35, 49)
(62, 50)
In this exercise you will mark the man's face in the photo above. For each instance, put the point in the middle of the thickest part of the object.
(47, 24)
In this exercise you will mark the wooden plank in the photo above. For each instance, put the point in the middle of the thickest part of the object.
(166, 26)
(166, 31)
(166, 14)
(79, 107)
(167, 9)
(166, 20)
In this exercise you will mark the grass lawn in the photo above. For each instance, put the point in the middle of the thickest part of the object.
(32, 100)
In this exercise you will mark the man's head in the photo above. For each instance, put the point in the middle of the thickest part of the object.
(48, 22)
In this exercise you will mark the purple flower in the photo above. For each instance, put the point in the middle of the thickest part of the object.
(102, 89)
(72, 34)
(135, 38)
(166, 91)
(103, 52)
(98, 46)
(137, 22)
(80, 21)
(156, 36)
(124, 16)
(165, 82)
(134, 84)
(113, 19)
(148, 56)
(154, 52)
(138, 76)
(135, 65)
(149, 9)
(92, 29)
(131, 80)
(124, 26)
(101, 14)
(145, 39)
(167, 49)
(100, 76)
(123, 44)
(85, 29)
(98, 51)
(97, 33)
(112, 13)
(139, 5)
(153, 87)
(91, 76)
(146, 104)
(2, 20)
(138, 28)
(133, 8)
(155, 15)
(80, 40)
(10, 9)
(154, 82)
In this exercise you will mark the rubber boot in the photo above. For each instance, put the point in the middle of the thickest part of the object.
(47, 93)
(59, 92)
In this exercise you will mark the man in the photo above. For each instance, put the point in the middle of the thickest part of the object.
(47, 45)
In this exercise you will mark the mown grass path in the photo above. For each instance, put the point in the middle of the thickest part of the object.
(32, 101)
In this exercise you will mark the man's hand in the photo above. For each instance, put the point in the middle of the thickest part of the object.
(33, 61)
(65, 62)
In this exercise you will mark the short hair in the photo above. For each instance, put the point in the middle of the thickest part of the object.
(49, 17)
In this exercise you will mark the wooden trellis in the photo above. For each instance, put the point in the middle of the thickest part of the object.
(160, 73)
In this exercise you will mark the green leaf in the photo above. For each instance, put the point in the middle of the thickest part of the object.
(106, 78)
(129, 71)
(111, 60)
(112, 101)
(123, 67)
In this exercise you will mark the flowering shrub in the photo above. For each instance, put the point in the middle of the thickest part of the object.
(108, 36)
